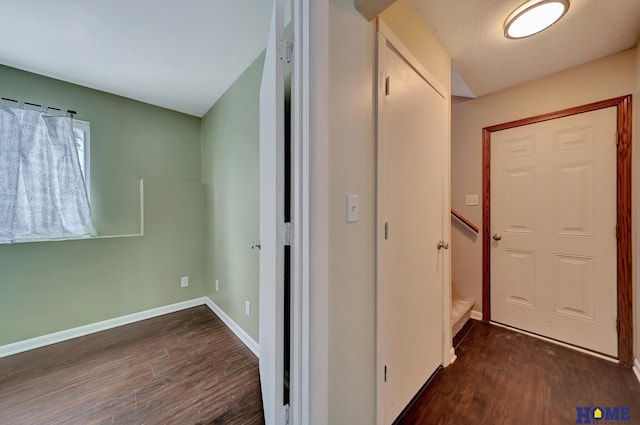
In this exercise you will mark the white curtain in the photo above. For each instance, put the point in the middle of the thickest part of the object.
(42, 191)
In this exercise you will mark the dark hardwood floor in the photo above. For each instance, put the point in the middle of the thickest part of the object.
(181, 368)
(504, 377)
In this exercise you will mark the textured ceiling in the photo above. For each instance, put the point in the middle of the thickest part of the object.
(472, 34)
(179, 54)
(184, 54)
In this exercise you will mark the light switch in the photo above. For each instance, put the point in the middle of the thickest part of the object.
(353, 208)
(472, 199)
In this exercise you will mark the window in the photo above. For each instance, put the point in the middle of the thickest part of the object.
(43, 189)
(82, 133)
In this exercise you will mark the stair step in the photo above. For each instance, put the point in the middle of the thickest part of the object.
(460, 312)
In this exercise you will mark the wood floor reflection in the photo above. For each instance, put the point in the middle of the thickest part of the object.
(181, 368)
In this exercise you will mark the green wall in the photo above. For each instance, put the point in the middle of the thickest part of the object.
(52, 286)
(230, 170)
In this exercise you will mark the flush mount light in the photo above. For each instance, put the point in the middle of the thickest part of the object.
(534, 16)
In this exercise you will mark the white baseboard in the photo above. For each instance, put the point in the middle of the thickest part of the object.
(44, 340)
(476, 315)
(233, 326)
(41, 341)
(636, 368)
(452, 356)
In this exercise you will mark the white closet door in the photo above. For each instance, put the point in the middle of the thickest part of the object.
(411, 151)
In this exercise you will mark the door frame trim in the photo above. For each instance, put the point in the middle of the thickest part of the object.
(623, 187)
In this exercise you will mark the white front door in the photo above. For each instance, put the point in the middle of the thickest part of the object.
(412, 140)
(553, 228)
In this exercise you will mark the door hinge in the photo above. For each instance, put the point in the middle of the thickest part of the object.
(617, 324)
(286, 51)
(285, 235)
(386, 86)
(617, 231)
(386, 230)
(617, 138)
(284, 415)
(385, 373)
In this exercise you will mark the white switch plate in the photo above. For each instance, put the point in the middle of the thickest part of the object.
(472, 199)
(217, 285)
(184, 281)
(247, 308)
(353, 208)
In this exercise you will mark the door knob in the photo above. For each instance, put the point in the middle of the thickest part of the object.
(256, 245)
(496, 237)
(443, 244)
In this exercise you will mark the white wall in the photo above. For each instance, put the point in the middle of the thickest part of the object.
(351, 246)
(351, 326)
(602, 79)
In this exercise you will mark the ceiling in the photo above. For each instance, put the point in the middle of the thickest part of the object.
(472, 34)
(182, 55)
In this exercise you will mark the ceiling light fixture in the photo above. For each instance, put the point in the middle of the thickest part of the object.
(534, 16)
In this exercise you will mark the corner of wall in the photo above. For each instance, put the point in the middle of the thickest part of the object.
(403, 19)
(230, 144)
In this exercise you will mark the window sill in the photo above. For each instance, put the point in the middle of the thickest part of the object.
(134, 235)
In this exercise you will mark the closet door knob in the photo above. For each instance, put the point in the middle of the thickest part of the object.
(443, 244)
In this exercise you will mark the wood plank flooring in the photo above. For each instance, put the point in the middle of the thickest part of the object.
(504, 377)
(182, 368)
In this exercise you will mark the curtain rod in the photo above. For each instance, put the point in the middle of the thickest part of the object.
(69, 111)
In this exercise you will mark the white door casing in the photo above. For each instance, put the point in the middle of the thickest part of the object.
(412, 199)
(300, 372)
(553, 208)
(271, 223)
